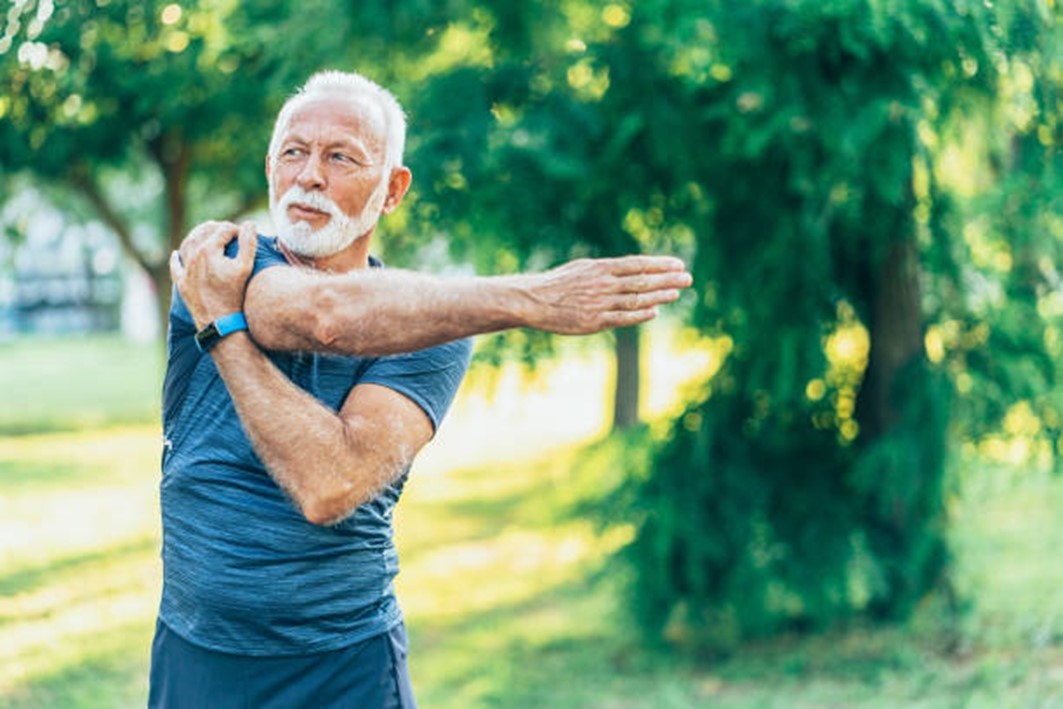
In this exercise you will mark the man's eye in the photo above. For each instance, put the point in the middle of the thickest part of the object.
(291, 152)
(342, 157)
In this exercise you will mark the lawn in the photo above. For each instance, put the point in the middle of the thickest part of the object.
(505, 590)
(52, 384)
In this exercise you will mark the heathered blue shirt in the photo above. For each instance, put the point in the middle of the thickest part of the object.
(243, 571)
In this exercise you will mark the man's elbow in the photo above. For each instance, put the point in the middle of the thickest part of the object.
(316, 321)
(325, 509)
(320, 516)
(271, 325)
(333, 328)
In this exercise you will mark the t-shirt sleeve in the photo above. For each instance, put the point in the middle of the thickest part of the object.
(430, 377)
(266, 255)
(183, 353)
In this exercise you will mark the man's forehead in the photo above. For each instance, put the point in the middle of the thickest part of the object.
(356, 113)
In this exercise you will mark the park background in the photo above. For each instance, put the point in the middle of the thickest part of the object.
(828, 476)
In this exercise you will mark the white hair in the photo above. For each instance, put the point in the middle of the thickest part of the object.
(347, 85)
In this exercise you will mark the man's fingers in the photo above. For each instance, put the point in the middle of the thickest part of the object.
(177, 269)
(220, 236)
(212, 240)
(641, 301)
(630, 265)
(627, 318)
(212, 268)
(634, 302)
(248, 241)
(208, 236)
(211, 233)
(648, 282)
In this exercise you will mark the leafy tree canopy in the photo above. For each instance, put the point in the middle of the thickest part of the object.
(815, 143)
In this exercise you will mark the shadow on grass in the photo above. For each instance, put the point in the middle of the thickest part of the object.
(543, 651)
(562, 642)
(530, 503)
(572, 647)
(20, 476)
(569, 644)
(77, 421)
(111, 673)
(68, 569)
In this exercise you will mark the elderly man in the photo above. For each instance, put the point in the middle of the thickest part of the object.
(297, 396)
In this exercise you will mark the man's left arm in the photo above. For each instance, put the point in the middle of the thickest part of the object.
(329, 462)
(373, 312)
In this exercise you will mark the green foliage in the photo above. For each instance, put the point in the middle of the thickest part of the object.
(802, 155)
(548, 149)
(727, 526)
(102, 84)
(808, 484)
(897, 489)
(156, 115)
(753, 520)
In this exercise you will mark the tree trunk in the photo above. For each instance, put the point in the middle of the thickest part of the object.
(896, 331)
(903, 515)
(626, 399)
(160, 281)
(173, 158)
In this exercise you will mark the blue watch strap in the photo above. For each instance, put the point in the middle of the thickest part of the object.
(228, 324)
(213, 332)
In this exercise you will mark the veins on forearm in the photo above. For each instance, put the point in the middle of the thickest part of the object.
(378, 313)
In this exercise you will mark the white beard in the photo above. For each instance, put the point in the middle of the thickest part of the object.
(339, 232)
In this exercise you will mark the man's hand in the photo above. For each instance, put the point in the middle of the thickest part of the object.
(211, 283)
(589, 295)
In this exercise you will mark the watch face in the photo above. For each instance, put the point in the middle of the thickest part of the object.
(206, 337)
(225, 325)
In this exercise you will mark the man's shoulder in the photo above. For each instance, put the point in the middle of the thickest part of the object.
(267, 252)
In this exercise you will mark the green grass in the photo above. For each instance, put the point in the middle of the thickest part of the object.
(63, 384)
(78, 566)
(508, 600)
(509, 607)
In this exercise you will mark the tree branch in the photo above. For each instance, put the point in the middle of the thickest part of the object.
(82, 181)
(171, 154)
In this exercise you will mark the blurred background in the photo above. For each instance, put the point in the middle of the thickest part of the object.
(830, 475)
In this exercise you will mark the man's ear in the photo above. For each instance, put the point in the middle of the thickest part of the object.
(398, 183)
(269, 166)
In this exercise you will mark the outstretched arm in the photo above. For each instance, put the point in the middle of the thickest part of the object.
(330, 462)
(377, 312)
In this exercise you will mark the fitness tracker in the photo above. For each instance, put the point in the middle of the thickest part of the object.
(215, 331)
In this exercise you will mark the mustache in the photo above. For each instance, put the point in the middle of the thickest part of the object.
(315, 200)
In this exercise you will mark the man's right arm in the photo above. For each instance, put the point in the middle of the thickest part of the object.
(379, 312)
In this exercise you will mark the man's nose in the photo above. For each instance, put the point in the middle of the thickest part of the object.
(312, 176)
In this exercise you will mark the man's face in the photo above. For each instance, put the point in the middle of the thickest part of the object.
(327, 184)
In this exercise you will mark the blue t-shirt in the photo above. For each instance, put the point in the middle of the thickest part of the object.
(243, 571)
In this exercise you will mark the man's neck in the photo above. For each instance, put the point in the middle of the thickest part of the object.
(352, 258)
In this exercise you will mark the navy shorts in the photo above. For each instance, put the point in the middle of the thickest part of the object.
(371, 673)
